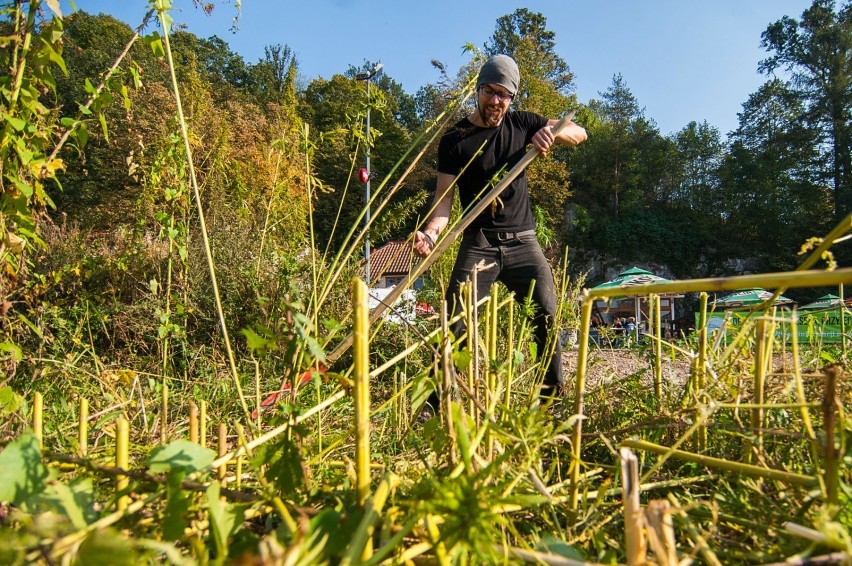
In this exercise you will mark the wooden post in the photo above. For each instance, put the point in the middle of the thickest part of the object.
(122, 460)
(658, 353)
(83, 427)
(633, 528)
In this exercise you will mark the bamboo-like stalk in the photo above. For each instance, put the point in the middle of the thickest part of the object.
(222, 471)
(470, 300)
(787, 280)
(38, 418)
(360, 544)
(193, 422)
(754, 448)
(202, 424)
(510, 359)
(164, 413)
(491, 383)
(658, 351)
(122, 461)
(579, 392)
(842, 322)
(660, 531)
(700, 381)
(703, 548)
(83, 428)
(165, 25)
(635, 546)
(721, 464)
(445, 401)
(361, 390)
(831, 454)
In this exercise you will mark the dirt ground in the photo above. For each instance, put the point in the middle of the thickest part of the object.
(605, 364)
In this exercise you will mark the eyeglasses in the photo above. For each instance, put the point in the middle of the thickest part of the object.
(489, 92)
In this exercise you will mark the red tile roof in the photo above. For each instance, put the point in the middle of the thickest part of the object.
(394, 258)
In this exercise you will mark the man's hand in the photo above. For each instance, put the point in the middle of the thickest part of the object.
(571, 135)
(423, 243)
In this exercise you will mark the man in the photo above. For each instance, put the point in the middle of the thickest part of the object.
(503, 236)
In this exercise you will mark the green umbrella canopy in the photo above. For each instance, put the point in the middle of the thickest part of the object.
(749, 297)
(630, 277)
(824, 302)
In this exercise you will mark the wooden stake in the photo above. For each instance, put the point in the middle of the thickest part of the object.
(658, 353)
(633, 527)
(122, 461)
(38, 419)
(83, 427)
(756, 447)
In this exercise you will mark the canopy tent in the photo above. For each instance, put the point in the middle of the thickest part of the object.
(637, 276)
(748, 298)
(825, 302)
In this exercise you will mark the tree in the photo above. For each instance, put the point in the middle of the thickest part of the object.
(774, 197)
(817, 52)
(700, 152)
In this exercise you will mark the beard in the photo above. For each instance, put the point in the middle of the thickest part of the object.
(491, 114)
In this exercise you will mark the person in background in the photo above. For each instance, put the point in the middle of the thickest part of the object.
(502, 238)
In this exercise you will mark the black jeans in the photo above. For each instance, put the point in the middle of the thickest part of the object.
(516, 263)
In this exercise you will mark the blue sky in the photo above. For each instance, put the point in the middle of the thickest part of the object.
(683, 60)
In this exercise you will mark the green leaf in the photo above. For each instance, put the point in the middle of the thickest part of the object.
(13, 350)
(102, 120)
(9, 400)
(180, 455)
(177, 506)
(126, 97)
(76, 500)
(23, 473)
(224, 520)
(16, 123)
(106, 547)
(156, 45)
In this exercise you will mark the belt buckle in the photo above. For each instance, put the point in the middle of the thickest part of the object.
(504, 236)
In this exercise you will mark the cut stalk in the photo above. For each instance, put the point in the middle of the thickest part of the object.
(658, 352)
(193, 422)
(361, 390)
(38, 418)
(633, 526)
(721, 464)
(223, 449)
(755, 448)
(579, 391)
(829, 417)
(202, 424)
(83, 428)
(701, 370)
(164, 413)
(122, 442)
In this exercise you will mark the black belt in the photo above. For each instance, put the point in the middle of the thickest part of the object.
(504, 236)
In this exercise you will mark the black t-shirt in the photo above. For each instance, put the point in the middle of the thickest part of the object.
(504, 145)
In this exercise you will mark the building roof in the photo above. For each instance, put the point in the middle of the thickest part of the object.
(394, 258)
